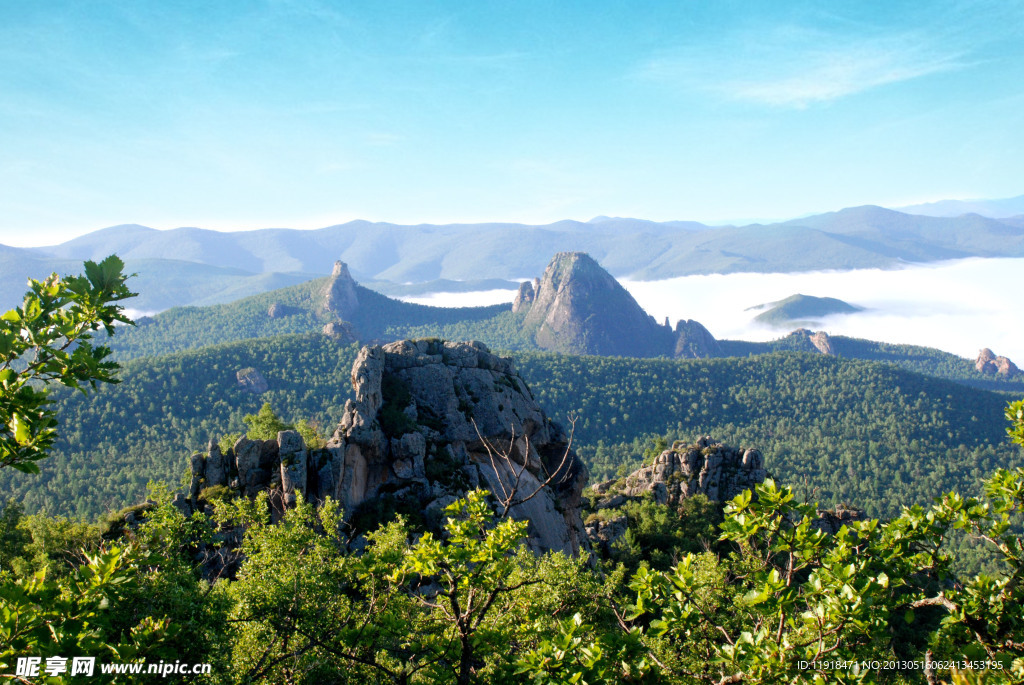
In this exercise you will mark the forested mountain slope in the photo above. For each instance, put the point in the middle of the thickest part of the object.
(857, 431)
(378, 316)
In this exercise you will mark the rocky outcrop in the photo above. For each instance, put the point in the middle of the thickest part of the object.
(525, 296)
(707, 467)
(804, 340)
(430, 420)
(990, 364)
(340, 293)
(579, 308)
(693, 341)
(278, 310)
(341, 331)
(822, 342)
(251, 380)
(831, 520)
(604, 532)
(427, 422)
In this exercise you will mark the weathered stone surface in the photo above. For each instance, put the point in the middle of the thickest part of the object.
(604, 534)
(251, 380)
(340, 294)
(524, 298)
(292, 453)
(342, 331)
(822, 343)
(464, 400)
(693, 341)
(831, 520)
(579, 308)
(247, 459)
(216, 471)
(990, 364)
(430, 420)
(278, 310)
(708, 467)
(198, 464)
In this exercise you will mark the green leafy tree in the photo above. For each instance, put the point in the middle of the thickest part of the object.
(474, 567)
(792, 601)
(48, 340)
(265, 424)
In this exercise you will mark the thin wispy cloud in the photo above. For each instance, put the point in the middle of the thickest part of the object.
(795, 67)
(832, 74)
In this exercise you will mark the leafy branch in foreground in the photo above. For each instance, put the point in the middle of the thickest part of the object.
(792, 602)
(48, 340)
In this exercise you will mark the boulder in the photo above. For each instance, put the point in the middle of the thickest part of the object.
(278, 310)
(524, 298)
(990, 364)
(707, 467)
(693, 341)
(251, 381)
(822, 343)
(431, 419)
(341, 331)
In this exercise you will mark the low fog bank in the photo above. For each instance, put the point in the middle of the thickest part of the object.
(958, 306)
(474, 298)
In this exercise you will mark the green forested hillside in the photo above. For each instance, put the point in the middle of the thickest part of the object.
(378, 316)
(856, 431)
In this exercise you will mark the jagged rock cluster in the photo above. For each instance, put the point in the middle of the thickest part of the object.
(430, 420)
(579, 308)
(707, 467)
(251, 380)
(831, 520)
(988, 363)
(342, 331)
(811, 341)
(693, 341)
(526, 295)
(278, 310)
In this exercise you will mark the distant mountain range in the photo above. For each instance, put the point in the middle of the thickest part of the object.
(196, 266)
(996, 209)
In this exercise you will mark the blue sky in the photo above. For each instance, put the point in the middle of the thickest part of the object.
(303, 114)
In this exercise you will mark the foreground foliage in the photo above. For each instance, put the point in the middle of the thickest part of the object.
(48, 340)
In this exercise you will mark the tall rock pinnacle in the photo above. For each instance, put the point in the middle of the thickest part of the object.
(340, 293)
(580, 308)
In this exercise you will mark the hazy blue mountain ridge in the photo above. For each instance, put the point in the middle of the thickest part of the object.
(859, 237)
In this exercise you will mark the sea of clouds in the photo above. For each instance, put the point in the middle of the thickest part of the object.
(959, 306)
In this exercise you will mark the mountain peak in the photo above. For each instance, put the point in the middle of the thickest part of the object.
(340, 293)
(580, 308)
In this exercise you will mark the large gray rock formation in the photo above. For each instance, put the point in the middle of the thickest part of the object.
(342, 331)
(252, 381)
(277, 310)
(579, 308)
(693, 341)
(527, 292)
(419, 429)
(990, 364)
(707, 467)
(804, 340)
(340, 292)
(822, 343)
(430, 420)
